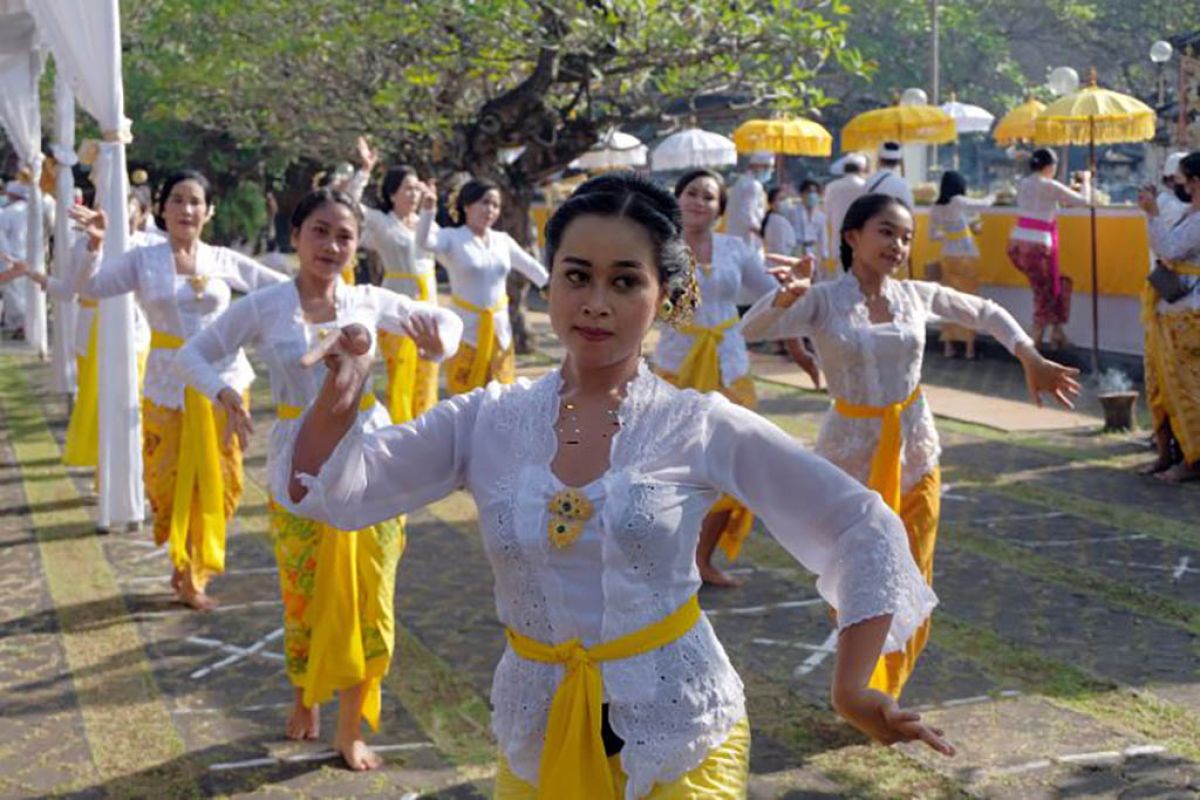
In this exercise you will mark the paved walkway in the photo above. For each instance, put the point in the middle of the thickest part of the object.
(1064, 657)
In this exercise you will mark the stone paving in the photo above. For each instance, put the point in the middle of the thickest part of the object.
(1064, 659)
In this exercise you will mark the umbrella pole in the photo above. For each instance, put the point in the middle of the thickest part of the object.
(1095, 277)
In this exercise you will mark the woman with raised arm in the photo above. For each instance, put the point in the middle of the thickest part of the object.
(337, 586)
(193, 472)
(869, 330)
(478, 259)
(591, 484)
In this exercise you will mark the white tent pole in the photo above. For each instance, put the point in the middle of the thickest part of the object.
(35, 243)
(62, 356)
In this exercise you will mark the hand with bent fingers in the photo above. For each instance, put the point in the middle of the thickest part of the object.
(1044, 375)
(93, 222)
(881, 718)
(801, 267)
(237, 418)
(791, 286)
(348, 358)
(15, 270)
(366, 156)
(428, 201)
(423, 330)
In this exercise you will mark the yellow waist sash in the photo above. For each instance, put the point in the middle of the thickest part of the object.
(1150, 297)
(574, 765)
(284, 411)
(198, 475)
(485, 341)
(885, 464)
(421, 279)
(701, 368)
(958, 235)
(86, 303)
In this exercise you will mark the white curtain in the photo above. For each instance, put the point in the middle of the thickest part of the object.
(85, 38)
(62, 351)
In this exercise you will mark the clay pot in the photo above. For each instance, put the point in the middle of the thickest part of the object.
(1118, 410)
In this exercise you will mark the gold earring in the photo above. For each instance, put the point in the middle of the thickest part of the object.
(666, 308)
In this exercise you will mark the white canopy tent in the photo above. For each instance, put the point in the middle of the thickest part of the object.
(21, 59)
(85, 40)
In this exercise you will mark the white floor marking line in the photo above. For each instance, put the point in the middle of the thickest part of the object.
(1130, 537)
(157, 553)
(983, 698)
(1182, 568)
(1021, 517)
(782, 643)
(814, 661)
(760, 609)
(1097, 758)
(253, 762)
(251, 604)
(1177, 571)
(237, 653)
(948, 492)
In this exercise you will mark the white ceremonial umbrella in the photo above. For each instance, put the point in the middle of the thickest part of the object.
(968, 118)
(614, 150)
(693, 149)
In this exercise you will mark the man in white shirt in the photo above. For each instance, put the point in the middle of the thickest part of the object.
(1170, 207)
(839, 194)
(748, 199)
(13, 234)
(888, 179)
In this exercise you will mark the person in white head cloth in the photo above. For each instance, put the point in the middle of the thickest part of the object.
(888, 179)
(1170, 207)
(839, 194)
(748, 199)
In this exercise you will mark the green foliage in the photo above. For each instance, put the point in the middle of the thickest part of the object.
(241, 213)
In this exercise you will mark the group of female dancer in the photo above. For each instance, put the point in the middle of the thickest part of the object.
(602, 487)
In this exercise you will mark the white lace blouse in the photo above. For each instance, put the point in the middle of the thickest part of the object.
(180, 305)
(949, 220)
(675, 453)
(395, 243)
(877, 364)
(478, 269)
(272, 321)
(1039, 197)
(1178, 239)
(737, 274)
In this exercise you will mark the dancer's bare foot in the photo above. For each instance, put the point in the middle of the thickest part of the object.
(176, 580)
(190, 596)
(1154, 467)
(357, 755)
(715, 577)
(1180, 473)
(305, 721)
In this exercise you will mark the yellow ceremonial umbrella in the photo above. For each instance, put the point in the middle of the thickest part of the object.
(906, 124)
(1094, 116)
(1018, 125)
(789, 137)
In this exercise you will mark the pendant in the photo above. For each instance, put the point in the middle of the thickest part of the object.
(569, 510)
(197, 284)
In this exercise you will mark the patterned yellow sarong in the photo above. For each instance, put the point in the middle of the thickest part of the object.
(459, 367)
(484, 354)
(959, 273)
(723, 775)
(411, 380)
(1172, 364)
(83, 430)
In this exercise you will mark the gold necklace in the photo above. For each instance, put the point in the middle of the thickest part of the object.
(568, 428)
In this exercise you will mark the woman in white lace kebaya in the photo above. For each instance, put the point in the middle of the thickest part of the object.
(707, 353)
(591, 484)
(869, 330)
(338, 586)
(193, 473)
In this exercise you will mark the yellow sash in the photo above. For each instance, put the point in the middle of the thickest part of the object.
(87, 303)
(958, 235)
(421, 279)
(82, 446)
(284, 411)
(1150, 297)
(701, 368)
(885, 464)
(574, 765)
(198, 474)
(485, 341)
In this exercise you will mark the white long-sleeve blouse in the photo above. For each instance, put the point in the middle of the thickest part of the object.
(396, 245)
(478, 269)
(877, 364)
(179, 305)
(272, 321)
(675, 453)
(737, 274)
(948, 220)
(1177, 238)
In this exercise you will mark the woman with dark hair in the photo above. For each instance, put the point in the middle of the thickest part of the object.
(869, 329)
(591, 484)
(1033, 244)
(1171, 316)
(338, 586)
(777, 233)
(949, 224)
(478, 260)
(391, 231)
(193, 473)
(708, 353)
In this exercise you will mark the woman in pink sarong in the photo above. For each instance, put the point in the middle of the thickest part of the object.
(1033, 246)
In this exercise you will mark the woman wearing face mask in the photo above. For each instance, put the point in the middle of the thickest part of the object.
(391, 231)
(1033, 245)
(777, 233)
(1172, 322)
(949, 224)
(193, 471)
(592, 483)
(808, 220)
(869, 330)
(478, 260)
(337, 586)
(708, 353)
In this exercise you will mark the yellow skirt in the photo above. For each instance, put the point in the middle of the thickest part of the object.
(338, 619)
(83, 430)
(161, 429)
(962, 274)
(411, 381)
(1173, 377)
(740, 521)
(458, 368)
(920, 510)
(723, 775)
